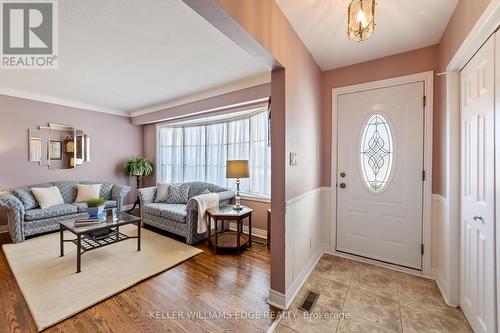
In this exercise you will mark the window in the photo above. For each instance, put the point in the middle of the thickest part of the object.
(198, 151)
(376, 153)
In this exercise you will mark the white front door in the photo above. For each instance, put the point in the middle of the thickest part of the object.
(380, 174)
(477, 276)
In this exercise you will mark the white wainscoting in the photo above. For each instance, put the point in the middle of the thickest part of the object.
(307, 238)
(440, 257)
(307, 220)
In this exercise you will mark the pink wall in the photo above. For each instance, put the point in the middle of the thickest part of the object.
(113, 140)
(296, 105)
(415, 61)
(259, 216)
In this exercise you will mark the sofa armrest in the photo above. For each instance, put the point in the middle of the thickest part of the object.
(15, 216)
(192, 204)
(118, 193)
(147, 195)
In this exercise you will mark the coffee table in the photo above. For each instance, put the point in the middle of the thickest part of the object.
(85, 243)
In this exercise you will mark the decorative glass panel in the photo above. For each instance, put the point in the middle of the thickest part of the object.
(377, 151)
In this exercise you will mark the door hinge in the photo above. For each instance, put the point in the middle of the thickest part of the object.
(425, 101)
(423, 175)
(422, 249)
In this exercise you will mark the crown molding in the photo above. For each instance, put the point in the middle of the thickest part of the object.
(60, 101)
(220, 90)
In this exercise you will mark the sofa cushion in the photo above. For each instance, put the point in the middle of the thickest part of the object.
(26, 197)
(47, 196)
(54, 211)
(68, 190)
(178, 194)
(106, 189)
(87, 192)
(82, 206)
(175, 212)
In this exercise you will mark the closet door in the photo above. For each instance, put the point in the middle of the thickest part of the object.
(477, 283)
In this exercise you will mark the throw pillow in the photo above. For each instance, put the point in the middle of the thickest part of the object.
(87, 192)
(178, 194)
(161, 192)
(47, 196)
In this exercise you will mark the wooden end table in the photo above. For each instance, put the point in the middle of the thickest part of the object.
(229, 239)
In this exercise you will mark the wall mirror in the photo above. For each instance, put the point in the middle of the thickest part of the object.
(59, 146)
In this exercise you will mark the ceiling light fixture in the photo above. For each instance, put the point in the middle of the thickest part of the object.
(361, 19)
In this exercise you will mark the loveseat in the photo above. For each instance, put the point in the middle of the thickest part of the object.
(26, 218)
(180, 219)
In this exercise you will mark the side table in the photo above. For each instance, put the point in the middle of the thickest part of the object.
(221, 238)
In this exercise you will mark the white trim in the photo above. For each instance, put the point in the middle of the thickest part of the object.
(305, 195)
(261, 233)
(427, 78)
(255, 198)
(481, 31)
(276, 299)
(60, 101)
(283, 301)
(443, 287)
(245, 83)
(4, 229)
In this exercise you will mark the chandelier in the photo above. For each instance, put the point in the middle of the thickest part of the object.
(361, 19)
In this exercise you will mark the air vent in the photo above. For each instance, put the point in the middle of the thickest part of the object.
(309, 301)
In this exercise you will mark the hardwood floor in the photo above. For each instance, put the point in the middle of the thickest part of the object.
(224, 293)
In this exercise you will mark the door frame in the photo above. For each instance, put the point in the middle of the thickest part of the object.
(482, 30)
(427, 78)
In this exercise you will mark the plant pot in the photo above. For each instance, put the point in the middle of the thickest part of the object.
(95, 212)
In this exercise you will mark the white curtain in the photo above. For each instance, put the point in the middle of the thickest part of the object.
(199, 152)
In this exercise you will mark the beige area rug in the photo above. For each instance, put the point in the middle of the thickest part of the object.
(55, 292)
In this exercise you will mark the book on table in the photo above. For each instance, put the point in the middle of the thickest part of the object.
(89, 221)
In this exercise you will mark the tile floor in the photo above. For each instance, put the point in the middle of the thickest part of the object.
(375, 299)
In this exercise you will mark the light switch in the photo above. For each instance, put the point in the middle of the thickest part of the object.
(293, 159)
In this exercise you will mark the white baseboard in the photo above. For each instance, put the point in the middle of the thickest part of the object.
(4, 229)
(283, 301)
(261, 233)
(443, 287)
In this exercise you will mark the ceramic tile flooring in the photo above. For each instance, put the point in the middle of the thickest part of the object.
(375, 299)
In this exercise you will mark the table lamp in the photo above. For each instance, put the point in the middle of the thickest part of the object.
(237, 169)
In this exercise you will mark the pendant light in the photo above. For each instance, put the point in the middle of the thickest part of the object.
(361, 19)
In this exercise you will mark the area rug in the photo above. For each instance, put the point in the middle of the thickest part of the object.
(55, 292)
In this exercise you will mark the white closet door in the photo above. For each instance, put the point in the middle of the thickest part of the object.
(477, 283)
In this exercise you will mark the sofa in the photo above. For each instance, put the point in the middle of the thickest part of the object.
(180, 219)
(26, 218)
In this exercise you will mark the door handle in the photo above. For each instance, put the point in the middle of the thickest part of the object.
(343, 185)
(476, 218)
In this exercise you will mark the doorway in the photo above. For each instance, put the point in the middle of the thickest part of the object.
(382, 171)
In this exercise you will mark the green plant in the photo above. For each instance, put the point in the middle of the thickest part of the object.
(138, 167)
(96, 202)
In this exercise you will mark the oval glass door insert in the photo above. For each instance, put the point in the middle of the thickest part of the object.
(377, 152)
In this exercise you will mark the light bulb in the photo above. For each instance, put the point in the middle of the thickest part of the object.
(361, 17)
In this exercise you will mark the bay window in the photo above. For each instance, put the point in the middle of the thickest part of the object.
(198, 150)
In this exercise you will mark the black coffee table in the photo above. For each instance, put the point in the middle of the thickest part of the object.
(84, 241)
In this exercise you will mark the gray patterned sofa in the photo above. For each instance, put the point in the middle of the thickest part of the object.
(26, 218)
(180, 219)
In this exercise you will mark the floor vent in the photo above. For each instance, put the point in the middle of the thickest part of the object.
(309, 301)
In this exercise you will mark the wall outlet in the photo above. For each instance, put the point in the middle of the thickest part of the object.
(293, 159)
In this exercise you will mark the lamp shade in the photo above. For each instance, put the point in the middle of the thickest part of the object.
(237, 169)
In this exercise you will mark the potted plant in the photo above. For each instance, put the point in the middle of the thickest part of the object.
(95, 207)
(138, 167)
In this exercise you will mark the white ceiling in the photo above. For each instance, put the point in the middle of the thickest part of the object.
(123, 56)
(401, 25)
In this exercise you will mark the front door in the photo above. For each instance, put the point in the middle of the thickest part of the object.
(380, 174)
(477, 276)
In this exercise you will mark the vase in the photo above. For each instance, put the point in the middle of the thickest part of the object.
(95, 212)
